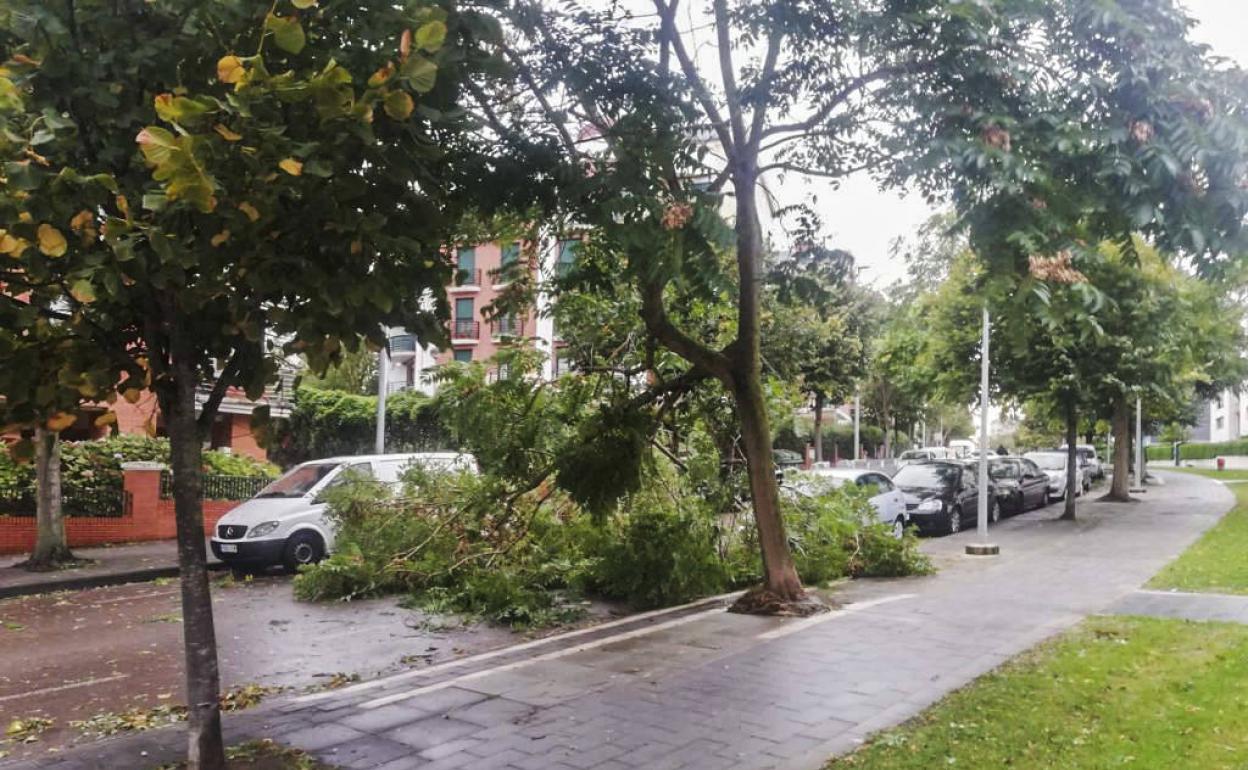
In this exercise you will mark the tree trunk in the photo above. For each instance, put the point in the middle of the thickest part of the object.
(205, 750)
(884, 423)
(51, 547)
(1119, 489)
(818, 426)
(1073, 480)
(779, 573)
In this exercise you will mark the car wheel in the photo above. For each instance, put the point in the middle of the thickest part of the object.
(994, 511)
(955, 521)
(899, 528)
(302, 548)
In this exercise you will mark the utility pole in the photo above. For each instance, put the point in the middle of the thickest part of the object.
(1139, 446)
(383, 367)
(983, 547)
(857, 414)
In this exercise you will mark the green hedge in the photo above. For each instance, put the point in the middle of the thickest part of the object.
(838, 436)
(329, 423)
(95, 466)
(1202, 451)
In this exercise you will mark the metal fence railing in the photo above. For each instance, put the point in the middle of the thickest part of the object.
(217, 487)
(95, 501)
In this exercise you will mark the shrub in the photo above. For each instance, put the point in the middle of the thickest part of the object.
(1197, 451)
(90, 466)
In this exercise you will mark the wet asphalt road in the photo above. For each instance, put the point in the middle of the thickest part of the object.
(71, 655)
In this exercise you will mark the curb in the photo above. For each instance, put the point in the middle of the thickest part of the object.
(98, 581)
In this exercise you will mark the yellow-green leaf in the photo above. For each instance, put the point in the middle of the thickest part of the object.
(179, 109)
(51, 242)
(431, 36)
(291, 166)
(420, 72)
(226, 133)
(399, 105)
(287, 32)
(230, 69)
(303, 5)
(83, 291)
(249, 210)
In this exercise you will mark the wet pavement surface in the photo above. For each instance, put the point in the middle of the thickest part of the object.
(74, 654)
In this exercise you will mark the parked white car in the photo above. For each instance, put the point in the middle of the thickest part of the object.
(1054, 466)
(888, 501)
(1088, 452)
(926, 453)
(285, 523)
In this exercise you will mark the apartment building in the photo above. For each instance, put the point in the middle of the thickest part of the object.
(483, 272)
(1228, 417)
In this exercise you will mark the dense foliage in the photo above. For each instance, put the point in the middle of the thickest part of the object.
(329, 423)
(448, 545)
(96, 465)
(1198, 451)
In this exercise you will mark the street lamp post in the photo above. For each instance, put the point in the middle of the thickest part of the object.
(983, 547)
(1139, 446)
(383, 366)
(857, 413)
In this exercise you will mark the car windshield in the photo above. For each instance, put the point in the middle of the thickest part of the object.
(927, 475)
(1006, 470)
(913, 456)
(1049, 462)
(298, 481)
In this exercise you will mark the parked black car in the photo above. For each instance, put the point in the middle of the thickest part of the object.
(942, 495)
(1019, 483)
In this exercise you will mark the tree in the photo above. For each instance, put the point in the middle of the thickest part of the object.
(822, 89)
(355, 372)
(217, 184)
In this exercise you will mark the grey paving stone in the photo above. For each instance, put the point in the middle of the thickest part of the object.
(381, 719)
(367, 752)
(431, 731)
(319, 737)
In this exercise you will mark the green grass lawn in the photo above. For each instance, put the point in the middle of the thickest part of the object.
(1218, 562)
(1114, 692)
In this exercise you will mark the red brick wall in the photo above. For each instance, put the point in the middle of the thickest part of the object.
(148, 518)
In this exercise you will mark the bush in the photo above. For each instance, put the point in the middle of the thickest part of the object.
(1201, 451)
(95, 466)
(330, 423)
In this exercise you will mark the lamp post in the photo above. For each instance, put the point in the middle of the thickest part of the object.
(1139, 446)
(383, 366)
(983, 547)
(857, 414)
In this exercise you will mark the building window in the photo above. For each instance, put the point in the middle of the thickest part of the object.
(466, 264)
(511, 254)
(463, 309)
(563, 363)
(463, 355)
(1220, 423)
(567, 255)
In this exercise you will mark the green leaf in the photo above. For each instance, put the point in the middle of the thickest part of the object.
(303, 5)
(287, 32)
(399, 105)
(420, 73)
(431, 36)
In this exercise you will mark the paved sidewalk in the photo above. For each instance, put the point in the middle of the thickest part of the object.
(706, 689)
(111, 565)
(1184, 606)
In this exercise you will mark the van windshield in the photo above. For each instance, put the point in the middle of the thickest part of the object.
(298, 481)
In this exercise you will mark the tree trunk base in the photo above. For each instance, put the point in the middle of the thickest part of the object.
(57, 559)
(1067, 516)
(1110, 497)
(762, 601)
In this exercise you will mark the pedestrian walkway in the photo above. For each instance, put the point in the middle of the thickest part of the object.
(705, 689)
(108, 565)
(1184, 606)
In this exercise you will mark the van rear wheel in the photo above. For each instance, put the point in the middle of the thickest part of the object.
(302, 548)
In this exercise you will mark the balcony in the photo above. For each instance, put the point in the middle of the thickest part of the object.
(467, 279)
(402, 347)
(465, 329)
(507, 327)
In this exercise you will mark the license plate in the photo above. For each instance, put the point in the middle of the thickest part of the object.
(229, 548)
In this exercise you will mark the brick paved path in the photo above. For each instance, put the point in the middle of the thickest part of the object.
(705, 689)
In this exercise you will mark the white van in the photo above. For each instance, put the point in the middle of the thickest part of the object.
(285, 523)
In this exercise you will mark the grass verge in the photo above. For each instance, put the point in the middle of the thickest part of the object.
(1216, 562)
(1114, 692)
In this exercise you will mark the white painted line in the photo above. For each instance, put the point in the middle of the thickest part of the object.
(424, 672)
(798, 625)
(63, 687)
(396, 697)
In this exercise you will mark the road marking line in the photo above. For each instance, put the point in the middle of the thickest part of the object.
(424, 672)
(555, 655)
(794, 627)
(60, 688)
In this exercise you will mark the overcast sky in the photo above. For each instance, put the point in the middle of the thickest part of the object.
(864, 220)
